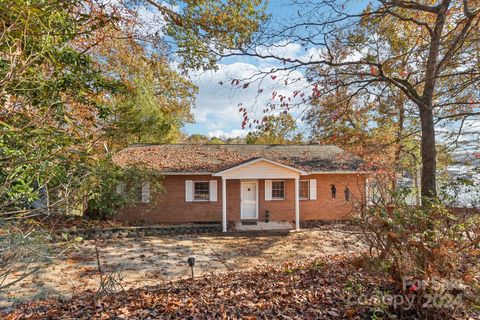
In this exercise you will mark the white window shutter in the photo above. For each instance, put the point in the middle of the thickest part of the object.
(313, 189)
(188, 190)
(213, 190)
(145, 192)
(268, 190)
(120, 188)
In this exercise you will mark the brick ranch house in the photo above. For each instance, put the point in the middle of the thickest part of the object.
(237, 183)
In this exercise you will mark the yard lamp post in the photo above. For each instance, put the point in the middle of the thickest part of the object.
(191, 263)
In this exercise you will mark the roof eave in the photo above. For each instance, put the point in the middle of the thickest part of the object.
(222, 172)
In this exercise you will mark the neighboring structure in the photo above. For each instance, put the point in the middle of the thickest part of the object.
(231, 183)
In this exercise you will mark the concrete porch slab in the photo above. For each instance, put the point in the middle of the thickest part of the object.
(264, 226)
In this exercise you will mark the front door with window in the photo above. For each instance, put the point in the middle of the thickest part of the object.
(249, 198)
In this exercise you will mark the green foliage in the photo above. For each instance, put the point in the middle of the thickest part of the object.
(33, 158)
(156, 99)
(205, 27)
(77, 84)
(280, 129)
(49, 92)
(215, 140)
(101, 188)
(143, 116)
(198, 138)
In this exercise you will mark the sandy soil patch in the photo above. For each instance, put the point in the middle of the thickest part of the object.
(153, 260)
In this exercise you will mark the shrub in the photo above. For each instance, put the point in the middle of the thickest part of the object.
(432, 243)
(101, 192)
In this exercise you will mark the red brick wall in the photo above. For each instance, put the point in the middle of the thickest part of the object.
(327, 208)
(170, 206)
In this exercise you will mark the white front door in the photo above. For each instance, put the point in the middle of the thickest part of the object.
(248, 200)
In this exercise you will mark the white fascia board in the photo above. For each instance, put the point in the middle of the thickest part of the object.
(245, 164)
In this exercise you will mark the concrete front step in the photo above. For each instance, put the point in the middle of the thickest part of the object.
(264, 226)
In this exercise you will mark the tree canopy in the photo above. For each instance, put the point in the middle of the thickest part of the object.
(80, 79)
(425, 51)
(276, 129)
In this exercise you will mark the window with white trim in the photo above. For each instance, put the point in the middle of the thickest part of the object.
(304, 189)
(278, 189)
(145, 192)
(201, 191)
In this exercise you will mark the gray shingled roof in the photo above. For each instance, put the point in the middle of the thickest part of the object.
(217, 157)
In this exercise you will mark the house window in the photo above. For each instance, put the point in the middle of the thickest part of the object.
(145, 194)
(347, 194)
(303, 189)
(334, 191)
(201, 191)
(278, 190)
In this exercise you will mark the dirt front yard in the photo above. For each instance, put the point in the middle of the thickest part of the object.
(153, 260)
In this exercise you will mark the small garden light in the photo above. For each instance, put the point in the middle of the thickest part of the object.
(191, 263)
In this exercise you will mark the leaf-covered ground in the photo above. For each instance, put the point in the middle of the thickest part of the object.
(315, 289)
(337, 287)
(152, 260)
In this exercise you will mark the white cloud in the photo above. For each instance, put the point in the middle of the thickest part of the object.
(216, 111)
(228, 134)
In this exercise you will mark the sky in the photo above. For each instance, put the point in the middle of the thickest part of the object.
(216, 106)
(216, 109)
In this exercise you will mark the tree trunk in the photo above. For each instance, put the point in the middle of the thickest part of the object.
(417, 183)
(398, 141)
(429, 154)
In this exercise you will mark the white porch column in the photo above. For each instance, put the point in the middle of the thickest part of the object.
(297, 203)
(224, 204)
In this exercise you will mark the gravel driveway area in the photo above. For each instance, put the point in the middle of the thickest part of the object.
(153, 260)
